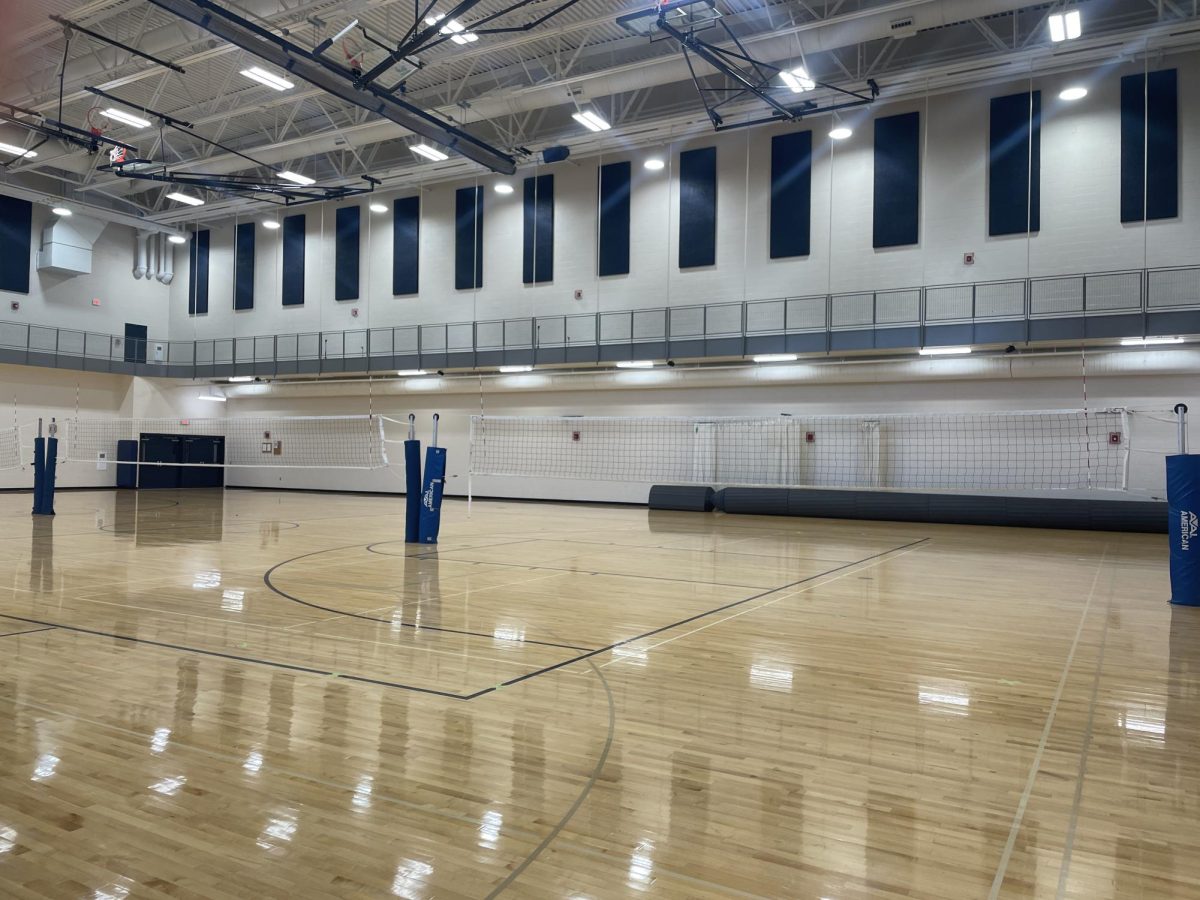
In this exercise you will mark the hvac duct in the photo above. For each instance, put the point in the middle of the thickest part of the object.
(166, 268)
(151, 257)
(67, 245)
(140, 266)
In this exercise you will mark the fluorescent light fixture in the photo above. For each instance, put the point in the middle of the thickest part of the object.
(17, 151)
(840, 133)
(1066, 26)
(466, 38)
(378, 208)
(503, 187)
(176, 239)
(185, 198)
(1072, 93)
(240, 379)
(213, 397)
(775, 357)
(1150, 341)
(345, 31)
(654, 164)
(512, 370)
(428, 152)
(119, 116)
(590, 120)
(404, 373)
(798, 80)
(61, 211)
(270, 79)
(271, 224)
(944, 351)
(296, 178)
(433, 20)
(636, 364)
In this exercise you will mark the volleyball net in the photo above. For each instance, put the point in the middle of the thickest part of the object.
(1069, 449)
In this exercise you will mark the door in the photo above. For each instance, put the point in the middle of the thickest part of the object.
(209, 451)
(159, 448)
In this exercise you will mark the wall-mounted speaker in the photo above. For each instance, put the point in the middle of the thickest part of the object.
(555, 154)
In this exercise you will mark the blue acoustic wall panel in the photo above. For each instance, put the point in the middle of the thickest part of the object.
(345, 253)
(1015, 164)
(615, 189)
(406, 245)
(698, 208)
(293, 260)
(243, 267)
(1150, 146)
(198, 274)
(16, 244)
(897, 180)
(538, 245)
(791, 194)
(468, 238)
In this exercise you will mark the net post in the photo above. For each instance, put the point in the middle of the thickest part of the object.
(1183, 510)
(1181, 412)
(39, 469)
(434, 486)
(49, 470)
(412, 484)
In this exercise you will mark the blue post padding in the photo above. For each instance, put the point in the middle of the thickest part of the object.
(1183, 505)
(431, 496)
(48, 476)
(39, 473)
(412, 488)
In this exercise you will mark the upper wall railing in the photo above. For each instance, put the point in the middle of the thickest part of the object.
(1131, 303)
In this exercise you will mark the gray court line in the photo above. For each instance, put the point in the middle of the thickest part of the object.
(583, 794)
(1018, 817)
(1077, 801)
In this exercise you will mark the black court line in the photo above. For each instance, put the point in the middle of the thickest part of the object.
(233, 656)
(702, 615)
(352, 615)
(30, 631)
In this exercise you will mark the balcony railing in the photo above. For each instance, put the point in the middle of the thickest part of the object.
(1132, 303)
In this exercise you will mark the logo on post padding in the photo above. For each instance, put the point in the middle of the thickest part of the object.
(1188, 525)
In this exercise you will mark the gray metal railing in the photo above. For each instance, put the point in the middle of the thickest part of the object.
(1126, 303)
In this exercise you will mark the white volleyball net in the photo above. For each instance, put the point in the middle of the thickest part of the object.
(1068, 449)
(10, 448)
(324, 442)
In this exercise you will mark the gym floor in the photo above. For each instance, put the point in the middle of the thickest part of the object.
(249, 694)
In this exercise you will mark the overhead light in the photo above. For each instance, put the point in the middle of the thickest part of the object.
(271, 224)
(128, 119)
(1066, 26)
(636, 364)
(512, 370)
(466, 38)
(798, 80)
(504, 187)
(240, 379)
(775, 357)
(1150, 341)
(176, 239)
(944, 351)
(403, 373)
(428, 152)
(185, 198)
(296, 178)
(345, 31)
(270, 79)
(17, 151)
(211, 397)
(590, 120)
(1072, 93)
(61, 211)
(840, 133)
(378, 208)
(654, 164)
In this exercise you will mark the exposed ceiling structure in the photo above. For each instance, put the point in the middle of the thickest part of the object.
(514, 88)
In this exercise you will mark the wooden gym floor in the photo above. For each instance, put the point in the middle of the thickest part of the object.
(266, 695)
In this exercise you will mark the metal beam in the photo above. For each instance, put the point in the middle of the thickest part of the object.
(336, 80)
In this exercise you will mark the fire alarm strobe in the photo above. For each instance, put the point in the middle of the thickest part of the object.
(574, 435)
(1114, 437)
(810, 437)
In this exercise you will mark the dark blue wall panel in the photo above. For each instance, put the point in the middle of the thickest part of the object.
(615, 192)
(1150, 146)
(198, 274)
(791, 194)
(406, 245)
(698, 208)
(1015, 164)
(345, 253)
(897, 180)
(538, 244)
(16, 244)
(243, 267)
(468, 238)
(293, 260)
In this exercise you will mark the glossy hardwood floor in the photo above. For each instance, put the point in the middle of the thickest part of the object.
(266, 695)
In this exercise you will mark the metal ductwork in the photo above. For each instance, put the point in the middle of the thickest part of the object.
(151, 258)
(166, 267)
(67, 245)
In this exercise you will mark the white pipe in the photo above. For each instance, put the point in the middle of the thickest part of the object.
(152, 257)
(141, 268)
(166, 271)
